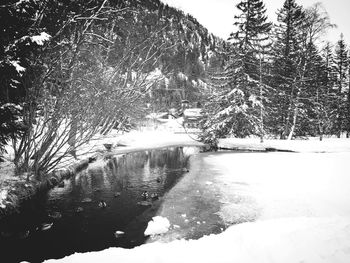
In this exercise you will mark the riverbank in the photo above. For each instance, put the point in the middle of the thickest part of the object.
(16, 189)
(311, 144)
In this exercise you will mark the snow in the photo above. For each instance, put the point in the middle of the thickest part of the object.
(288, 207)
(40, 39)
(3, 196)
(11, 105)
(17, 66)
(302, 239)
(285, 184)
(182, 76)
(158, 225)
(193, 112)
(155, 75)
(309, 145)
(21, 1)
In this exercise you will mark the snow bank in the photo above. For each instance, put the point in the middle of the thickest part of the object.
(307, 240)
(158, 225)
(309, 145)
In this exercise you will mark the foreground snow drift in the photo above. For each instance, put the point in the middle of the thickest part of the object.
(279, 240)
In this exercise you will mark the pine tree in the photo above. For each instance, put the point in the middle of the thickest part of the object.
(314, 116)
(287, 55)
(341, 67)
(327, 99)
(236, 107)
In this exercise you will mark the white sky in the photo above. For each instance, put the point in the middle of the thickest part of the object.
(218, 15)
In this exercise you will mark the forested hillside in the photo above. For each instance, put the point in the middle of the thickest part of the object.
(71, 69)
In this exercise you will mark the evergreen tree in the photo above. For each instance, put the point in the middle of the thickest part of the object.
(341, 68)
(314, 115)
(21, 40)
(287, 50)
(236, 107)
(326, 103)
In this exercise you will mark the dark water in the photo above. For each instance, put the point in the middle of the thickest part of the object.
(81, 224)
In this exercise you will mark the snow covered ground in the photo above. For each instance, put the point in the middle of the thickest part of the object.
(310, 145)
(295, 208)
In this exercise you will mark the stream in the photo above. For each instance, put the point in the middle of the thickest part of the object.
(123, 194)
(72, 218)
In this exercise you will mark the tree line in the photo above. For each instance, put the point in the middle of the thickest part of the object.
(278, 80)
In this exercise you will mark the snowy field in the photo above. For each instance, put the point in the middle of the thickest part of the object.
(295, 208)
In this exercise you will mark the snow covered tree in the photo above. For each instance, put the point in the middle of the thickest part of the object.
(287, 59)
(341, 68)
(19, 41)
(237, 102)
(313, 113)
(325, 102)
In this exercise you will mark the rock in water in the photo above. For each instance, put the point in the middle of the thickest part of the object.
(118, 234)
(158, 225)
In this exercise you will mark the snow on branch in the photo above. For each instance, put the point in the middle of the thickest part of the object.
(17, 66)
(40, 39)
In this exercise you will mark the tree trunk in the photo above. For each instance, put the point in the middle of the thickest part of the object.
(261, 105)
(295, 116)
(287, 122)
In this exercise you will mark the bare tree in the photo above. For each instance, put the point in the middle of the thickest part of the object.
(75, 90)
